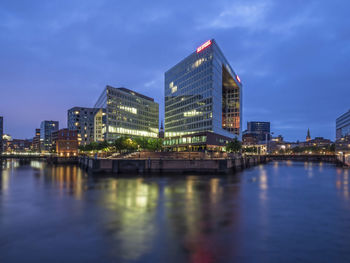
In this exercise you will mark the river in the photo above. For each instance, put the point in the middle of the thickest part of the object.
(277, 212)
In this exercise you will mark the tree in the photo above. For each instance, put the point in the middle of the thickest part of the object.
(155, 144)
(142, 142)
(234, 146)
(118, 144)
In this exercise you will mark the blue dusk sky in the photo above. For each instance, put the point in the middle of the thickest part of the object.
(293, 57)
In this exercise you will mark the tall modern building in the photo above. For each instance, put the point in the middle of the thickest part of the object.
(82, 120)
(203, 95)
(1, 134)
(343, 125)
(128, 113)
(46, 130)
(343, 137)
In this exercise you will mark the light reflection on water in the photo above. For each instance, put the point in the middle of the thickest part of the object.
(279, 212)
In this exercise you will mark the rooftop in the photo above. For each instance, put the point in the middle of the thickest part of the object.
(132, 92)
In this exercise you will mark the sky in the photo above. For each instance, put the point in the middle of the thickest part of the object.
(293, 57)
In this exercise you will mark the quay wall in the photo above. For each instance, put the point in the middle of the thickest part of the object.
(304, 158)
(344, 159)
(161, 166)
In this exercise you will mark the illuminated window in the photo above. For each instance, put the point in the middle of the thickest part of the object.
(172, 87)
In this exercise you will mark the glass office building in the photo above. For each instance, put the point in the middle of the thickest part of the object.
(203, 94)
(342, 143)
(1, 134)
(343, 125)
(260, 129)
(128, 113)
(46, 130)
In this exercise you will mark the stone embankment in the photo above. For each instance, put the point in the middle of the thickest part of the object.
(166, 166)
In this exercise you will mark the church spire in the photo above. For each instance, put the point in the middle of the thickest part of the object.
(308, 136)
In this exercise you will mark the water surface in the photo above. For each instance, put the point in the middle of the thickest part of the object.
(279, 212)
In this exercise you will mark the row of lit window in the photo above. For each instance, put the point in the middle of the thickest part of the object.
(185, 140)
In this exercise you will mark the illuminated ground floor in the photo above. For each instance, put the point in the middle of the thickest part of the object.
(197, 142)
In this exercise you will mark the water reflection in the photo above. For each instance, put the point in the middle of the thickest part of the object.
(342, 182)
(239, 218)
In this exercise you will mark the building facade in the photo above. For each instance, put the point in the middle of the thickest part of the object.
(196, 142)
(203, 94)
(259, 129)
(36, 141)
(128, 113)
(19, 145)
(46, 130)
(66, 142)
(1, 134)
(343, 125)
(82, 120)
(100, 120)
(343, 137)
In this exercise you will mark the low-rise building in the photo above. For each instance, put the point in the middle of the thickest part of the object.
(201, 141)
(19, 145)
(317, 142)
(249, 139)
(66, 142)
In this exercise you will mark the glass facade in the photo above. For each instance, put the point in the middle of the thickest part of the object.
(100, 125)
(203, 93)
(1, 134)
(128, 113)
(343, 125)
(260, 130)
(46, 130)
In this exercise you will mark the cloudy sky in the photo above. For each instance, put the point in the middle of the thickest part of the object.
(293, 56)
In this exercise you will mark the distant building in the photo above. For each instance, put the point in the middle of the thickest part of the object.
(19, 145)
(203, 95)
(317, 142)
(279, 138)
(46, 130)
(6, 139)
(66, 142)
(36, 141)
(249, 139)
(1, 134)
(259, 129)
(82, 120)
(128, 113)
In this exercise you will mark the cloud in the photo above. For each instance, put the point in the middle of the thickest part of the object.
(241, 15)
(292, 56)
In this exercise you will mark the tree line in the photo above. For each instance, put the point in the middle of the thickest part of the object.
(124, 144)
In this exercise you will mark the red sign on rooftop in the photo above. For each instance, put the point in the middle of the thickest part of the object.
(204, 46)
